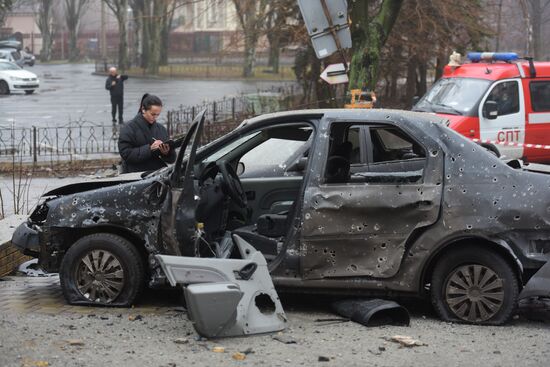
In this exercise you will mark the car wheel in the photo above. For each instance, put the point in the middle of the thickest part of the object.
(102, 269)
(29, 91)
(474, 285)
(4, 88)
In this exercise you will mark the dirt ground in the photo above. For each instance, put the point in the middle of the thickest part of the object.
(38, 329)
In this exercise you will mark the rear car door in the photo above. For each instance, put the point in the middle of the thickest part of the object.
(360, 226)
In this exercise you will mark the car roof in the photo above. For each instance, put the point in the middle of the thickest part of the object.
(346, 114)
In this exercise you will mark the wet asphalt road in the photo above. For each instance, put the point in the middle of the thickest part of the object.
(70, 92)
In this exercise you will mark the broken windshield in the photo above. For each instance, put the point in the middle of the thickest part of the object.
(454, 96)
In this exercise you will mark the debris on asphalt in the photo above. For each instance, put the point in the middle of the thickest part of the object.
(75, 342)
(406, 341)
(372, 312)
(135, 317)
(238, 356)
(248, 351)
(31, 363)
(181, 341)
(285, 339)
(218, 350)
(323, 359)
(30, 268)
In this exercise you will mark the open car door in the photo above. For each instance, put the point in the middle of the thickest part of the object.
(177, 218)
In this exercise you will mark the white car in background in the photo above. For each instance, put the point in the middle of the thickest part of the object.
(13, 78)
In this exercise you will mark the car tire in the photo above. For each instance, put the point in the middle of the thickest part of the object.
(4, 87)
(29, 91)
(102, 269)
(474, 285)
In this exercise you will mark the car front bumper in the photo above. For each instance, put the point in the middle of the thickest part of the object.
(26, 240)
(25, 86)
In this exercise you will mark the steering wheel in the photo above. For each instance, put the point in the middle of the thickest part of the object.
(232, 183)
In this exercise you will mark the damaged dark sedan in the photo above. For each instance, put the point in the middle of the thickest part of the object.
(358, 202)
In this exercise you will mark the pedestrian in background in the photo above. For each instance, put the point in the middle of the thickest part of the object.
(115, 85)
(142, 140)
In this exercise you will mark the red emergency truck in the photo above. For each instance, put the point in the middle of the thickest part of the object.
(498, 100)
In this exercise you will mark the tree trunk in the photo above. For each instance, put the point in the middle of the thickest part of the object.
(45, 25)
(499, 25)
(411, 79)
(167, 19)
(250, 40)
(274, 39)
(369, 37)
(422, 82)
(528, 27)
(74, 51)
(536, 21)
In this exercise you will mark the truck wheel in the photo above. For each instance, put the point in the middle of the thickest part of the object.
(4, 88)
(102, 269)
(474, 285)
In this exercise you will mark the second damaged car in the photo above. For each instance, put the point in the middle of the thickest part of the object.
(367, 202)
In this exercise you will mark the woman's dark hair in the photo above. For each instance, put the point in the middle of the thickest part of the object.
(149, 100)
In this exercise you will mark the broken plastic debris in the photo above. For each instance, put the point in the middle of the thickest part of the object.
(218, 350)
(372, 312)
(239, 356)
(75, 342)
(407, 341)
(285, 339)
(135, 317)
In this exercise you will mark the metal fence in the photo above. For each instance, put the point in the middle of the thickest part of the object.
(85, 140)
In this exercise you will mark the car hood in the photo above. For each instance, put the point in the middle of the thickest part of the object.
(19, 73)
(93, 184)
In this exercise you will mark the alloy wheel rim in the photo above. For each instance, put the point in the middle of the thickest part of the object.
(474, 293)
(100, 276)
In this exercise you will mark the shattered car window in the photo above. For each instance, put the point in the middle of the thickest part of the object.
(390, 144)
(230, 147)
(273, 152)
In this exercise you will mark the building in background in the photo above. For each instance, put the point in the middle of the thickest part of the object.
(21, 23)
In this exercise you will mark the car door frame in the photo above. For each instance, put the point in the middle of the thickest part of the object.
(318, 260)
(506, 132)
(177, 217)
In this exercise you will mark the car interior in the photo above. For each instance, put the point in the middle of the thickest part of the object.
(373, 153)
(259, 203)
(250, 186)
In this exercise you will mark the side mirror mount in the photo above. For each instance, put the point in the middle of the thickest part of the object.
(299, 165)
(490, 110)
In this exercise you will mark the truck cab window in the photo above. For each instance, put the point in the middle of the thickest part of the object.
(540, 95)
(506, 95)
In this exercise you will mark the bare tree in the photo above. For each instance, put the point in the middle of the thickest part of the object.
(536, 14)
(528, 26)
(74, 10)
(46, 25)
(251, 15)
(5, 7)
(277, 30)
(120, 10)
(369, 37)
